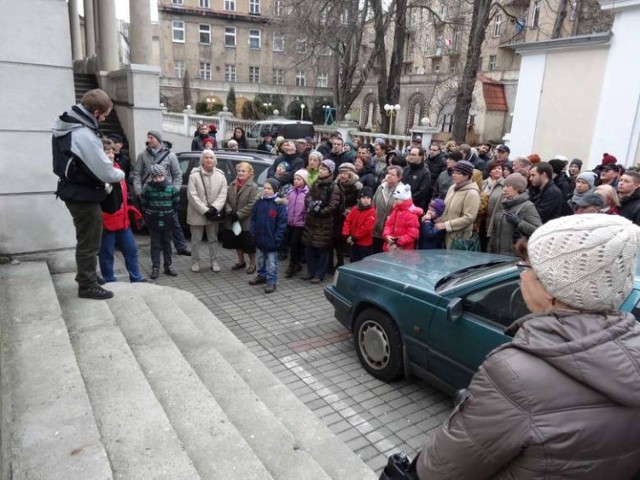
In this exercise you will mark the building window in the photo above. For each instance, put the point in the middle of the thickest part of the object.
(230, 5)
(301, 45)
(344, 17)
(323, 80)
(205, 71)
(204, 4)
(536, 13)
(453, 68)
(278, 42)
(229, 73)
(176, 2)
(455, 43)
(278, 8)
(436, 68)
(205, 33)
(497, 26)
(178, 31)
(254, 74)
(254, 7)
(301, 79)
(278, 76)
(254, 39)
(178, 69)
(493, 62)
(230, 37)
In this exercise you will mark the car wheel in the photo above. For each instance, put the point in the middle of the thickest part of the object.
(379, 344)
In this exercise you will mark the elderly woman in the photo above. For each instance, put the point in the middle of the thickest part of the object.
(206, 194)
(611, 199)
(490, 197)
(515, 216)
(561, 400)
(241, 196)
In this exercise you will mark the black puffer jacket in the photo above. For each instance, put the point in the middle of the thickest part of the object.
(630, 207)
(319, 226)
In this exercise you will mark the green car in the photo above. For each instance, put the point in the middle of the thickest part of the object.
(432, 313)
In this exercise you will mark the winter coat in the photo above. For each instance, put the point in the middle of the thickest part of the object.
(442, 185)
(548, 201)
(115, 208)
(318, 228)
(269, 223)
(79, 159)
(495, 197)
(313, 175)
(430, 237)
(436, 166)
(350, 191)
(359, 225)
(630, 207)
(419, 178)
(295, 163)
(383, 203)
(296, 206)
(368, 179)
(215, 184)
(148, 157)
(505, 234)
(461, 209)
(159, 202)
(403, 223)
(478, 164)
(561, 401)
(241, 203)
(197, 144)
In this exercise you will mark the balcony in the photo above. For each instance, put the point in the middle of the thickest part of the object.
(435, 52)
(209, 13)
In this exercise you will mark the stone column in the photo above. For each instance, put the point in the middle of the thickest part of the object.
(89, 29)
(108, 32)
(74, 23)
(140, 32)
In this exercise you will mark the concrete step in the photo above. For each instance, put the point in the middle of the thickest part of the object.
(311, 435)
(135, 430)
(48, 428)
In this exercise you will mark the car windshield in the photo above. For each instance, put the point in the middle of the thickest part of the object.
(473, 274)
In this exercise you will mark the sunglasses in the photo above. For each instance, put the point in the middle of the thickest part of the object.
(523, 266)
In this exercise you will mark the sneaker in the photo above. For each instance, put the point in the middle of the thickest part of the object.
(95, 293)
(270, 288)
(315, 280)
(170, 271)
(195, 268)
(214, 266)
(185, 252)
(257, 280)
(155, 273)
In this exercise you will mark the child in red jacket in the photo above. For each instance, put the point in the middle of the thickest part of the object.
(358, 226)
(402, 227)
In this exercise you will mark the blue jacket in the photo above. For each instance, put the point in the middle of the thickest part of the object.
(268, 223)
(430, 237)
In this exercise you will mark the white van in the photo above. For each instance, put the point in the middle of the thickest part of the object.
(279, 126)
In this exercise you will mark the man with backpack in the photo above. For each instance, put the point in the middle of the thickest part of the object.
(83, 170)
(157, 153)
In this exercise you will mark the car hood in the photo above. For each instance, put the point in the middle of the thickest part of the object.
(419, 268)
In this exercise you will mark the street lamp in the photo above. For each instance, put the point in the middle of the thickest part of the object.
(302, 107)
(328, 113)
(267, 106)
(391, 111)
(211, 103)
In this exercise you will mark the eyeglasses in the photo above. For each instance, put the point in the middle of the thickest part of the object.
(522, 266)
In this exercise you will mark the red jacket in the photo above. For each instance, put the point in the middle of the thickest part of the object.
(119, 220)
(359, 224)
(403, 223)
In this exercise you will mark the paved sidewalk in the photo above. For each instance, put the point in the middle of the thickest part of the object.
(294, 333)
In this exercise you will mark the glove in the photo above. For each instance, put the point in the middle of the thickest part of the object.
(108, 188)
(350, 240)
(316, 206)
(512, 218)
(235, 217)
(211, 214)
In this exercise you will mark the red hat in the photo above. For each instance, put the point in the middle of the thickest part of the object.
(208, 139)
(607, 159)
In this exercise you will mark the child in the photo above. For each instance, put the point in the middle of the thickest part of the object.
(117, 228)
(431, 237)
(296, 216)
(402, 227)
(268, 226)
(159, 201)
(209, 143)
(281, 170)
(358, 226)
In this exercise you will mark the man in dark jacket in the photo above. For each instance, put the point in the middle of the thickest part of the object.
(290, 156)
(418, 177)
(445, 179)
(545, 195)
(267, 142)
(471, 157)
(629, 189)
(436, 162)
(197, 144)
(83, 167)
(561, 180)
(337, 154)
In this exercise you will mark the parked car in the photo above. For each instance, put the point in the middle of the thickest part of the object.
(227, 162)
(279, 126)
(432, 313)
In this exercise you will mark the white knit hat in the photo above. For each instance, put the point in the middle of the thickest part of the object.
(303, 174)
(402, 192)
(586, 261)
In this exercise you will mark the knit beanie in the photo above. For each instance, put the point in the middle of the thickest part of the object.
(607, 159)
(517, 181)
(558, 165)
(464, 167)
(402, 192)
(588, 177)
(208, 139)
(275, 184)
(330, 164)
(284, 164)
(586, 261)
(366, 192)
(576, 161)
(437, 206)
(347, 167)
(157, 170)
(303, 174)
(156, 133)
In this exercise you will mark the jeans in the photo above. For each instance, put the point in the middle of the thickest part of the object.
(317, 261)
(87, 219)
(160, 242)
(197, 232)
(358, 252)
(268, 266)
(178, 235)
(126, 243)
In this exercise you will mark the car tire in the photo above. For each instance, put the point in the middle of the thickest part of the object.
(378, 344)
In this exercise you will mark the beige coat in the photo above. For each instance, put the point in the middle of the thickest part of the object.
(241, 202)
(461, 209)
(560, 402)
(216, 188)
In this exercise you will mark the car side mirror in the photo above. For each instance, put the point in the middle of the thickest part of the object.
(454, 309)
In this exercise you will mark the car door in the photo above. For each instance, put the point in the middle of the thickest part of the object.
(457, 346)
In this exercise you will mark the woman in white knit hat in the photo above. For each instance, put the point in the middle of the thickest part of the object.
(562, 400)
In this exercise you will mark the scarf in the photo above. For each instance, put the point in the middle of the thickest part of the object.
(577, 195)
(463, 184)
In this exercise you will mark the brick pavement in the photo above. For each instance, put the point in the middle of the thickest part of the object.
(294, 333)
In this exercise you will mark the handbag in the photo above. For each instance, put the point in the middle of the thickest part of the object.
(213, 214)
(470, 245)
(399, 468)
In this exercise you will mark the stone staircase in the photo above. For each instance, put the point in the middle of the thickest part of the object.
(147, 385)
(83, 82)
